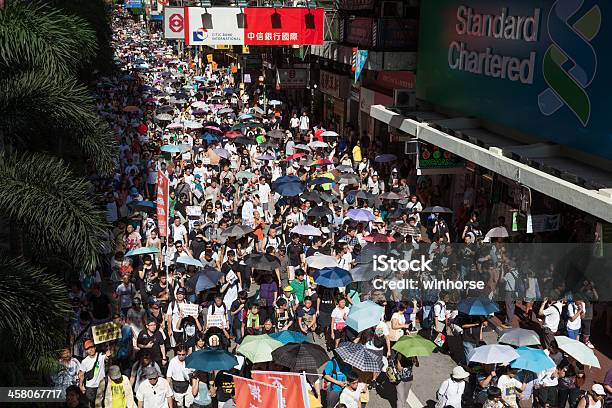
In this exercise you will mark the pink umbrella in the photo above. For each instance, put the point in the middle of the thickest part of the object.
(215, 128)
(175, 126)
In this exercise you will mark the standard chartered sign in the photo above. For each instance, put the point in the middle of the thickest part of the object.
(503, 26)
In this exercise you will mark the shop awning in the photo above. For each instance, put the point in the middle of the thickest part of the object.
(543, 167)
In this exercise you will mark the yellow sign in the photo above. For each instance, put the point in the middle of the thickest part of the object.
(106, 332)
(209, 58)
(245, 49)
(223, 47)
(215, 66)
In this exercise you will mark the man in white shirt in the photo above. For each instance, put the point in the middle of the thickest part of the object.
(155, 392)
(439, 314)
(351, 394)
(178, 378)
(91, 371)
(175, 315)
(552, 314)
(304, 123)
(178, 232)
(294, 123)
(264, 195)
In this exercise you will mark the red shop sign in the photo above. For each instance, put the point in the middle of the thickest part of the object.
(283, 26)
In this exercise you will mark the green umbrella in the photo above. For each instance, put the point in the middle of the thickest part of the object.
(244, 174)
(258, 349)
(411, 346)
(578, 350)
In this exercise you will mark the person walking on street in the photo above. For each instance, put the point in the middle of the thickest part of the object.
(115, 390)
(155, 392)
(92, 371)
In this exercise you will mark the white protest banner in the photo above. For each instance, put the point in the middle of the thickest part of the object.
(106, 332)
(189, 309)
(216, 320)
(213, 26)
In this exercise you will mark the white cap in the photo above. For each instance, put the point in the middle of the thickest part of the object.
(598, 389)
(459, 373)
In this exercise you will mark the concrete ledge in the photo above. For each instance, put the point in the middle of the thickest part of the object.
(597, 203)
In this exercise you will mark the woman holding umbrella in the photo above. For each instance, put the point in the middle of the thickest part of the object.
(404, 373)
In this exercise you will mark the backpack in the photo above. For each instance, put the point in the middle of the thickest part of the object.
(563, 318)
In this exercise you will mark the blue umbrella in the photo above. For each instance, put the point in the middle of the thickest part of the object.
(228, 90)
(246, 116)
(534, 360)
(142, 251)
(333, 277)
(209, 137)
(209, 360)
(289, 336)
(200, 79)
(285, 179)
(321, 180)
(170, 149)
(290, 189)
(359, 214)
(364, 315)
(477, 306)
(203, 282)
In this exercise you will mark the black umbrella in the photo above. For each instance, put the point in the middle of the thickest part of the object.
(237, 231)
(276, 134)
(264, 262)
(364, 195)
(310, 195)
(319, 211)
(244, 141)
(328, 198)
(300, 357)
(437, 209)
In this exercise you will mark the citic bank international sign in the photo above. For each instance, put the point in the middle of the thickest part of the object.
(538, 66)
(253, 26)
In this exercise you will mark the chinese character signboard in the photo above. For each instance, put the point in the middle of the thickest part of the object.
(283, 26)
(174, 23)
(133, 4)
(105, 332)
(213, 26)
(292, 78)
(359, 31)
(250, 393)
(291, 384)
(162, 203)
(333, 84)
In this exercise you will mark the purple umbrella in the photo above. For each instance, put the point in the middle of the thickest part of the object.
(359, 214)
(268, 157)
(222, 153)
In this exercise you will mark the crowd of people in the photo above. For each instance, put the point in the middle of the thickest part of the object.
(272, 231)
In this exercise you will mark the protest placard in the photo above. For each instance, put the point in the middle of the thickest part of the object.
(106, 332)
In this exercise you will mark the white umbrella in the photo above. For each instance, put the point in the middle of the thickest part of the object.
(199, 104)
(317, 144)
(497, 232)
(321, 261)
(578, 350)
(193, 125)
(274, 102)
(175, 125)
(493, 354)
(520, 337)
(187, 260)
(307, 230)
(302, 147)
(329, 133)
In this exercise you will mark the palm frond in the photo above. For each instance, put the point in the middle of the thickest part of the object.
(32, 102)
(35, 35)
(52, 206)
(33, 307)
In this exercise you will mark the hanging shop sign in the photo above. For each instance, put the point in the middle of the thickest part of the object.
(133, 4)
(292, 78)
(387, 81)
(357, 4)
(358, 31)
(283, 26)
(397, 33)
(174, 23)
(333, 84)
(213, 26)
(537, 66)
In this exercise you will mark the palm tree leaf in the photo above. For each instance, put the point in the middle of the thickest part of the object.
(33, 102)
(33, 34)
(53, 206)
(33, 307)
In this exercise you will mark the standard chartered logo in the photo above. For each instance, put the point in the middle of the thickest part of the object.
(567, 85)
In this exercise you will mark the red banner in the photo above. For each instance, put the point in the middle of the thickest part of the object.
(283, 26)
(250, 393)
(162, 203)
(291, 386)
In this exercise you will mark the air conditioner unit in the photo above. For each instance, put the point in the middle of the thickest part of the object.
(392, 9)
(404, 98)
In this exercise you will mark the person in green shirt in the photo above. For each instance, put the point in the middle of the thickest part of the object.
(299, 285)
